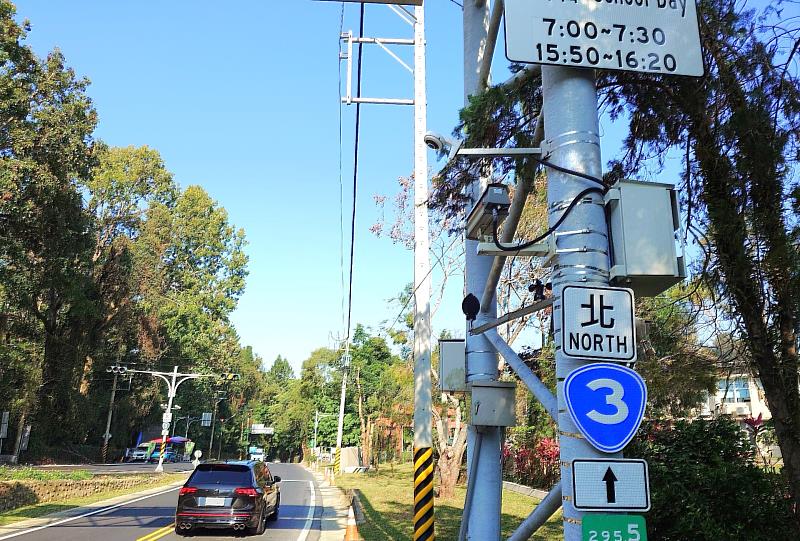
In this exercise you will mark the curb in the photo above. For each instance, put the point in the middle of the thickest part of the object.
(355, 503)
(524, 490)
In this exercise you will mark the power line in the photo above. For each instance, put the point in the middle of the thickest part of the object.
(355, 176)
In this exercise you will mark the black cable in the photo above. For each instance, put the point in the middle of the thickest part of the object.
(544, 235)
(355, 178)
(578, 174)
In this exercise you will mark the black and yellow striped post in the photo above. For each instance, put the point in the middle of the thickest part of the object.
(337, 461)
(163, 447)
(423, 494)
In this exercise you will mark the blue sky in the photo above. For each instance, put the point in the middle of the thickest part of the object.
(242, 98)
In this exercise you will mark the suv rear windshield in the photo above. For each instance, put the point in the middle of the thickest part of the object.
(221, 474)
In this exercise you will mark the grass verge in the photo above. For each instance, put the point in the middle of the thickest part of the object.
(387, 497)
(42, 509)
(33, 474)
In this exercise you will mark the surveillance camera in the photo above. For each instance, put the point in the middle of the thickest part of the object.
(437, 142)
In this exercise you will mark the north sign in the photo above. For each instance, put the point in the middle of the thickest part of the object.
(606, 401)
(597, 323)
(652, 36)
(610, 485)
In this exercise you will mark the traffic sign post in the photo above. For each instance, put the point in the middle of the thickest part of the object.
(611, 485)
(652, 36)
(614, 528)
(598, 323)
(606, 401)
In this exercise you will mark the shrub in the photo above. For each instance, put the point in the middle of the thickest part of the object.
(705, 486)
(535, 466)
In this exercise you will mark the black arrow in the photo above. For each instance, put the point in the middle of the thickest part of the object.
(610, 479)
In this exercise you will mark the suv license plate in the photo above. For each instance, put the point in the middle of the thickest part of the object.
(217, 502)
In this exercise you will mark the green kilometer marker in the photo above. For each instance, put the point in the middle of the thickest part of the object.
(598, 527)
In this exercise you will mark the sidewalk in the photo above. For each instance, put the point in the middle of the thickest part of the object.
(333, 521)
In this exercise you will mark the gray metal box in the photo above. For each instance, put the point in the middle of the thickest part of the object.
(493, 403)
(452, 365)
(644, 221)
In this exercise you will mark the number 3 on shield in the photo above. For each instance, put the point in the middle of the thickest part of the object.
(614, 399)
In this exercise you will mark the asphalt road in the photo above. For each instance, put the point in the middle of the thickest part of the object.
(152, 518)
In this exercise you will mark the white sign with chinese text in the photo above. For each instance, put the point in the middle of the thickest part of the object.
(597, 323)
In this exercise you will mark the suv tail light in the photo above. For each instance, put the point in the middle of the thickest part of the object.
(187, 490)
(246, 491)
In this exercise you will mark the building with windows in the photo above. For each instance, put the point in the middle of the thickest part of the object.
(738, 395)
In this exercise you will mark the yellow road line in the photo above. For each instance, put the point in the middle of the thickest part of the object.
(158, 534)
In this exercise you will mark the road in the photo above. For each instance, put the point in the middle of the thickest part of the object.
(152, 518)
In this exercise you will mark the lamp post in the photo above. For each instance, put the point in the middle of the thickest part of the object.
(174, 380)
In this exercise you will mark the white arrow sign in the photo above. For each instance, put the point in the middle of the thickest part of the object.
(610, 485)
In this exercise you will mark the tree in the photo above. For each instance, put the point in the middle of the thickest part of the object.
(45, 140)
(738, 128)
(281, 371)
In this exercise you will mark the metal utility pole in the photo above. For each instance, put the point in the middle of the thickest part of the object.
(570, 108)
(423, 452)
(423, 423)
(116, 370)
(337, 461)
(482, 365)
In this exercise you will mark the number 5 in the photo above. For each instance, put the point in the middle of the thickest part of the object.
(613, 399)
(633, 530)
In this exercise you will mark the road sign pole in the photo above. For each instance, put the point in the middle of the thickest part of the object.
(173, 387)
(571, 132)
(484, 516)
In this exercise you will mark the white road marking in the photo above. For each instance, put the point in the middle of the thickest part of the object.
(311, 507)
(95, 512)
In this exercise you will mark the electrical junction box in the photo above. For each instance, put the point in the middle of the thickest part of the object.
(452, 365)
(493, 403)
(480, 221)
(644, 223)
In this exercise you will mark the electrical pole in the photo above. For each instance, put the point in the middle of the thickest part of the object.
(482, 364)
(423, 442)
(337, 461)
(116, 370)
(570, 107)
(217, 400)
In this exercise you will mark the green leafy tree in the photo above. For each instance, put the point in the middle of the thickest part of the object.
(46, 146)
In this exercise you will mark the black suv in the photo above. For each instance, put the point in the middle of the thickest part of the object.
(234, 495)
